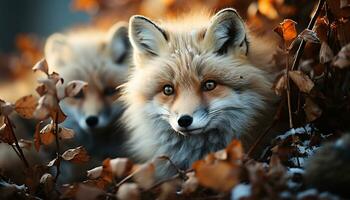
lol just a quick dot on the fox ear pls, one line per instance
(119, 42)
(145, 36)
(226, 30)
(57, 50)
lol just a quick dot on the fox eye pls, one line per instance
(209, 85)
(168, 90)
(80, 95)
(109, 91)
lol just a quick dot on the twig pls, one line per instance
(127, 178)
(288, 91)
(58, 156)
(19, 149)
(303, 42)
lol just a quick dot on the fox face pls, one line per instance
(101, 60)
(194, 87)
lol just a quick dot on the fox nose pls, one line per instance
(92, 121)
(185, 121)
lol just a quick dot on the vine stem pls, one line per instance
(310, 26)
(19, 149)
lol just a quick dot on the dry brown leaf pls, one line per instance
(47, 136)
(76, 155)
(58, 114)
(342, 60)
(41, 66)
(128, 191)
(26, 106)
(41, 90)
(50, 86)
(47, 181)
(145, 175)
(287, 30)
(235, 150)
(322, 26)
(74, 87)
(6, 108)
(309, 36)
(326, 53)
(312, 110)
(65, 133)
(302, 81)
(6, 134)
(281, 85)
(94, 173)
(53, 162)
(219, 176)
(120, 166)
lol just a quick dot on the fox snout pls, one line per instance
(194, 123)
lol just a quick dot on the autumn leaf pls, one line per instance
(120, 166)
(48, 183)
(26, 106)
(58, 115)
(65, 133)
(302, 81)
(6, 134)
(287, 30)
(145, 175)
(309, 36)
(53, 162)
(77, 155)
(95, 172)
(312, 110)
(41, 66)
(235, 150)
(281, 85)
(129, 191)
(46, 134)
(6, 108)
(342, 60)
(74, 87)
(326, 53)
(219, 176)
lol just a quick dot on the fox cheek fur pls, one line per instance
(196, 86)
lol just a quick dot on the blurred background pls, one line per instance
(25, 24)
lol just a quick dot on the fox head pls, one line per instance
(195, 77)
(101, 59)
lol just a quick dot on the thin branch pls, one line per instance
(58, 155)
(310, 26)
(288, 92)
(19, 149)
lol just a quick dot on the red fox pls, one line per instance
(102, 60)
(197, 84)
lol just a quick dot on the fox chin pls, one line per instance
(198, 83)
